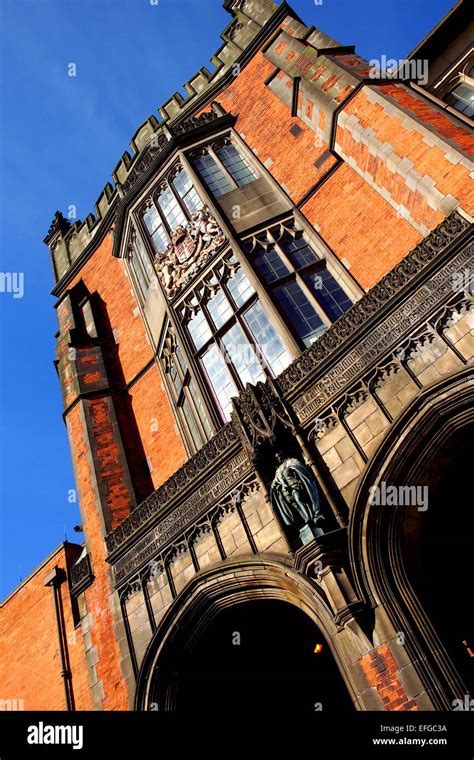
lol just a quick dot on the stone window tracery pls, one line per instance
(305, 291)
(229, 333)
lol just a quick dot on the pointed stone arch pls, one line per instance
(232, 583)
(375, 532)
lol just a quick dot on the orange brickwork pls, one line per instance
(266, 127)
(360, 226)
(30, 664)
(97, 595)
(164, 448)
(381, 670)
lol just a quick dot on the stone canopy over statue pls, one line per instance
(295, 496)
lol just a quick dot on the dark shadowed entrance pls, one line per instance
(274, 667)
(438, 549)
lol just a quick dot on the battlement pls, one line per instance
(67, 242)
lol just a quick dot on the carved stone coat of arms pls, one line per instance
(192, 245)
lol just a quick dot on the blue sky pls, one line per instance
(61, 137)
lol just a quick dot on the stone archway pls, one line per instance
(249, 598)
(400, 553)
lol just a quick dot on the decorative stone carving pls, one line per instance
(258, 408)
(192, 245)
(196, 121)
(80, 575)
(380, 294)
(149, 153)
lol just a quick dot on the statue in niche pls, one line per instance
(294, 494)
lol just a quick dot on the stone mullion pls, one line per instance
(169, 577)
(151, 617)
(404, 365)
(190, 544)
(448, 342)
(221, 166)
(243, 520)
(217, 536)
(371, 390)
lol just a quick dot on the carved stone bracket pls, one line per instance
(326, 562)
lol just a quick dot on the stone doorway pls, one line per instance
(259, 656)
(438, 549)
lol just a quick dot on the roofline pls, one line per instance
(62, 547)
(429, 38)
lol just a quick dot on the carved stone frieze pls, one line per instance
(183, 516)
(386, 335)
(400, 276)
(199, 463)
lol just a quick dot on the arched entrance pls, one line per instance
(260, 655)
(416, 560)
(248, 637)
(437, 548)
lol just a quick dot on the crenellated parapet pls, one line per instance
(241, 35)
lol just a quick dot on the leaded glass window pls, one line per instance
(140, 264)
(304, 290)
(222, 167)
(191, 411)
(231, 336)
(170, 204)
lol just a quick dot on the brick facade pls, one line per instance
(382, 177)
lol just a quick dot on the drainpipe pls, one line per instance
(55, 578)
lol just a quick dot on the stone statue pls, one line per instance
(294, 494)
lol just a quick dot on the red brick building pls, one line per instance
(265, 352)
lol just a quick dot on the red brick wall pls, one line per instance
(106, 274)
(360, 226)
(451, 178)
(266, 122)
(380, 669)
(30, 662)
(156, 426)
(97, 595)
